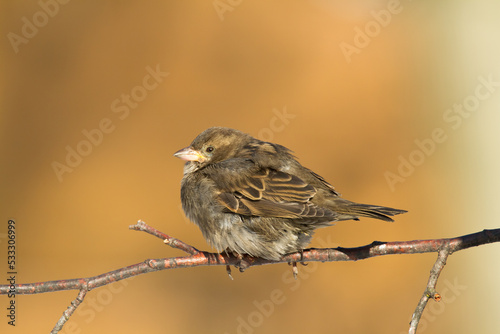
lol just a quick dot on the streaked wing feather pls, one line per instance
(270, 193)
(324, 182)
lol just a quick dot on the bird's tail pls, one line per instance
(350, 210)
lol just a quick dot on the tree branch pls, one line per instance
(195, 258)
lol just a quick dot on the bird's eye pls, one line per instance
(209, 149)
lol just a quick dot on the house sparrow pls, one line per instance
(253, 197)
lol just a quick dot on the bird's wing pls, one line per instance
(323, 182)
(255, 191)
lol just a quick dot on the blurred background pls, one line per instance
(393, 103)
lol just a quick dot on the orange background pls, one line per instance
(349, 121)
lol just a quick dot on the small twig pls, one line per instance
(69, 311)
(430, 290)
(172, 242)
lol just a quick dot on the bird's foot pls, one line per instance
(295, 270)
(302, 258)
(243, 262)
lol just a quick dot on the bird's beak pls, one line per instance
(189, 154)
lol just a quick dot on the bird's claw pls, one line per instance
(242, 264)
(228, 270)
(295, 271)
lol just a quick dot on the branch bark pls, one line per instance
(195, 258)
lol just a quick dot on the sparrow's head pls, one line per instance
(214, 145)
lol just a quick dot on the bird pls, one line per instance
(252, 197)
